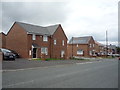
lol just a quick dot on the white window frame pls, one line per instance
(77, 45)
(93, 45)
(45, 38)
(90, 45)
(63, 43)
(62, 53)
(44, 50)
(55, 41)
(90, 53)
(80, 52)
(33, 37)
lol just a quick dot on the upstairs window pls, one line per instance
(93, 45)
(63, 43)
(55, 42)
(33, 37)
(90, 45)
(45, 38)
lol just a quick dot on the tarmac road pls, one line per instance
(103, 74)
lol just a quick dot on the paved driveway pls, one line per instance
(24, 63)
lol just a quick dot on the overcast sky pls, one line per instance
(77, 17)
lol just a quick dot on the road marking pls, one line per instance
(88, 62)
(84, 63)
(13, 70)
(19, 83)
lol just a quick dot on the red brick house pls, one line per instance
(2, 40)
(81, 46)
(99, 48)
(32, 41)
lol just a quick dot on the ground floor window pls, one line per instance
(90, 52)
(62, 53)
(80, 52)
(44, 50)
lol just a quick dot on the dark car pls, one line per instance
(118, 58)
(16, 54)
(7, 54)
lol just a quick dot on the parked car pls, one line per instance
(16, 54)
(118, 58)
(7, 54)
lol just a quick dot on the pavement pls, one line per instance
(99, 74)
(25, 63)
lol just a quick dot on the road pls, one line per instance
(101, 74)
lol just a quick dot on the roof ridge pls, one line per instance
(49, 30)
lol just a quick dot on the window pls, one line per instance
(55, 42)
(80, 52)
(77, 45)
(63, 42)
(44, 50)
(62, 53)
(33, 37)
(90, 52)
(93, 45)
(45, 38)
(30, 52)
(90, 45)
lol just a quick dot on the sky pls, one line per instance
(77, 17)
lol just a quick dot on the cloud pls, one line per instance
(40, 13)
(78, 17)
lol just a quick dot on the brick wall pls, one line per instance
(2, 40)
(59, 35)
(39, 41)
(72, 49)
(17, 40)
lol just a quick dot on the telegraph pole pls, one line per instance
(106, 43)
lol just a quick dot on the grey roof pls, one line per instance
(80, 40)
(49, 30)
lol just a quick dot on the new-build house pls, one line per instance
(2, 40)
(81, 46)
(99, 48)
(32, 41)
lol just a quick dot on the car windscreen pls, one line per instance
(5, 50)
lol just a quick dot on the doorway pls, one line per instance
(34, 53)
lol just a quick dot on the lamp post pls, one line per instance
(106, 43)
(72, 47)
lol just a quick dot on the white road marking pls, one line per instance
(30, 68)
(88, 62)
(19, 83)
(84, 63)
(43, 67)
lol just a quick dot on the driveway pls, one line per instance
(24, 63)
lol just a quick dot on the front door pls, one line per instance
(34, 52)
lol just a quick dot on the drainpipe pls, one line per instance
(50, 45)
